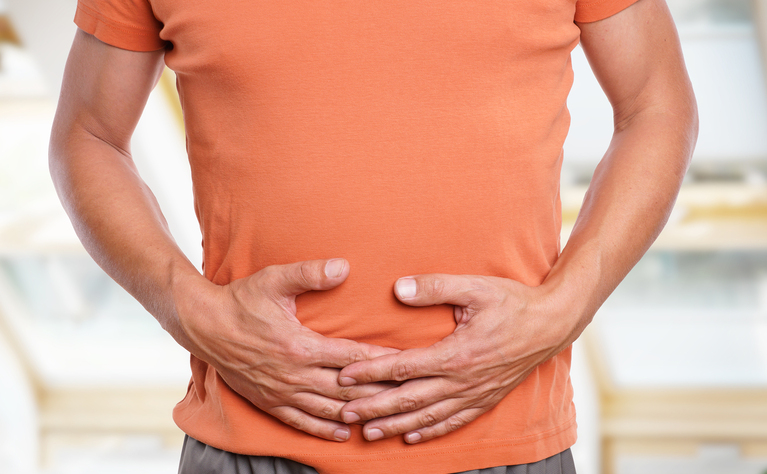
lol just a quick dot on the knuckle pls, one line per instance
(453, 423)
(269, 274)
(293, 381)
(435, 286)
(346, 393)
(296, 422)
(428, 419)
(327, 411)
(402, 371)
(269, 281)
(372, 413)
(297, 352)
(356, 355)
(305, 275)
(266, 272)
(395, 429)
(407, 404)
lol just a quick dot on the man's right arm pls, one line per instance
(247, 330)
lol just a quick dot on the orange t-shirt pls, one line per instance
(408, 136)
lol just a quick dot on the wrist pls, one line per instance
(566, 306)
(195, 302)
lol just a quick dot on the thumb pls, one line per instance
(296, 278)
(434, 289)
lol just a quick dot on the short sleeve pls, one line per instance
(125, 24)
(594, 10)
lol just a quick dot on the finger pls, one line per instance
(444, 427)
(403, 423)
(338, 353)
(435, 288)
(324, 382)
(410, 396)
(405, 365)
(318, 405)
(302, 421)
(296, 278)
(367, 390)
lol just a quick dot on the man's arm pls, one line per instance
(506, 329)
(247, 330)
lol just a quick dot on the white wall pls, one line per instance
(725, 68)
(46, 29)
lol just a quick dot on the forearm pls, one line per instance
(114, 213)
(637, 59)
(119, 221)
(627, 204)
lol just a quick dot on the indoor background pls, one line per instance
(670, 378)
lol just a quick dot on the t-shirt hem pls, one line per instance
(422, 459)
(454, 458)
(452, 448)
(115, 33)
(591, 11)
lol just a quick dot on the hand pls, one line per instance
(253, 339)
(504, 330)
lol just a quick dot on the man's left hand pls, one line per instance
(504, 330)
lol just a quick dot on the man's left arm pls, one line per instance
(504, 328)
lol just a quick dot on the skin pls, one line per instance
(248, 330)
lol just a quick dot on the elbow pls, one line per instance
(61, 146)
(667, 112)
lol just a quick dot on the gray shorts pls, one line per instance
(199, 458)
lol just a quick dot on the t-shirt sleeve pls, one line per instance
(594, 10)
(125, 24)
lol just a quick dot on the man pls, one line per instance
(339, 148)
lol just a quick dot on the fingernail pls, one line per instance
(341, 434)
(406, 287)
(351, 417)
(374, 434)
(346, 381)
(334, 268)
(413, 437)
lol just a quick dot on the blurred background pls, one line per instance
(670, 378)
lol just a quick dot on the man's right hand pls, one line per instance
(247, 330)
(263, 352)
